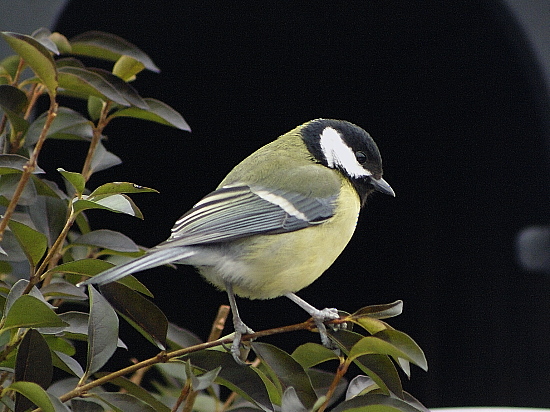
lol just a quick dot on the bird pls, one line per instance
(277, 221)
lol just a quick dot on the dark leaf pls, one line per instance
(67, 364)
(157, 112)
(103, 159)
(36, 56)
(42, 35)
(124, 402)
(102, 332)
(379, 367)
(109, 46)
(289, 372)
(12, 163)
(291, 402)
(14, 102)
(125, 90)
(34, 361)
(91, 267)
(61, 289)
(33, 364)
(373, 402)
(138, 392)
(181, 338)
(141, 312)
(108, 239)
(9, 184)
(68, 124)
(243, 380)
(84, 83)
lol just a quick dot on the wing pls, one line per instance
(236, 211)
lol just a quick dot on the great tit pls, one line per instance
(277, 221)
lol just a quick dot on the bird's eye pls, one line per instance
(361, 157)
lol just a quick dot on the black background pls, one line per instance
(449, 92)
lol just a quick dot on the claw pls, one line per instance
(239, 326)
(319, 317)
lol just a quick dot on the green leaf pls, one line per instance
(157, 112)
(289, 372)
(110, 47)
(102, 332)
(375, 402)
(393, 343)
(91, 267)
(126, 91)
(381, 311)
(102, 159)
(127, 67)
(291, 402)
(123, 402)
(138, 392)
(9, 184)
(143, 314)
(36, 56)
(29, 312)
(181, 338)
(243, 380)
(312, 354)
(42, 35)
(9, 66)
(95, 107)
(120, 187)
(115, 203)
(12, 163)
(34, 393)
(108, 239)
(61, 42)
(68, 125)
(66, 363)
(84, 83)
(76, 180)
(14, 102)
(33, 243)
(33, 364)
(61, 289)
(78, 326)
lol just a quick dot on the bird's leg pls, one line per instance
(239, 326)
(319, 317)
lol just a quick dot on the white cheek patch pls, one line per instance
(339, 154)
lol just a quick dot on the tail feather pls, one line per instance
(150, 260)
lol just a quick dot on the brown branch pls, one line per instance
(29, 167)
(165, 357)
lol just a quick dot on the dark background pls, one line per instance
(450, 93)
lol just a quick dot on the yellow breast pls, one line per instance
(272, 265)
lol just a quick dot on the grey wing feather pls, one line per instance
(238, 211)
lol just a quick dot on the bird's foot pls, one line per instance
(320, 317)
(240, 330)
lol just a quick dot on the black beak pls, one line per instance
(380, 185)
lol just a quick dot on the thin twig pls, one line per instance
(96, 138)
(29, 167)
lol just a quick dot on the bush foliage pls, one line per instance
(47, 245)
